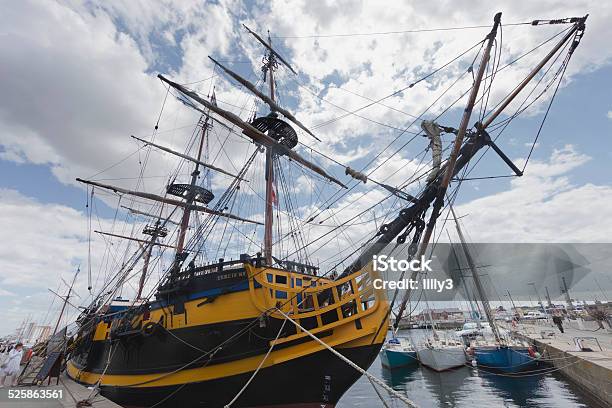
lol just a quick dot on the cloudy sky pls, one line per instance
(80, 77)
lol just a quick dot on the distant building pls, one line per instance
(452, 313)
(36, 334)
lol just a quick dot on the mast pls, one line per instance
(511, 301)
(65, 299)
(465, 285)
(452, 160)
(477, 282)
(191, 195)
(537, 294)
(269, 212)
(550, 304)
(155, 232)
(568, 298)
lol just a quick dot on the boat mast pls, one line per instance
(511, 301)
(65, 299)
(269, 213)
(180, 243)
(477, 282)
(155, 232)
(452, 160)
(479, 139)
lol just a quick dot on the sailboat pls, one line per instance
(398, 352)
(441, 355)
(504, 353)
(262, 330)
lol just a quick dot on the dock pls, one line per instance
(74, 395)
(591, 370)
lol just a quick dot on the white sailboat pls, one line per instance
(441, 355)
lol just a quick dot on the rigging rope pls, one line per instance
(349, 362)
(229, 404)
(421, 30)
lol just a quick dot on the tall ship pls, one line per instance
(269, 328)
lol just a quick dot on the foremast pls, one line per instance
(411, 219)
(268, 68)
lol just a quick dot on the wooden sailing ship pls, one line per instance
(217, 334)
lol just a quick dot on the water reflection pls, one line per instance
(397, 378)
(536, 391)
(466, 388)
(522, 391)
(445, 386)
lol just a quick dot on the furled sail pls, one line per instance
(273, 105)
(186, 157)
(170, 201)
(252, 132)
(433, 131)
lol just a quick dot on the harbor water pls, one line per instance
(466, 387)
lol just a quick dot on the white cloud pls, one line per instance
(93, 67)
(6, 293)
(543, 206)
(609, 115)
(45, 242)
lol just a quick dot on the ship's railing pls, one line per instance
(316, 303)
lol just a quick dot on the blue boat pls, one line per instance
(508, 359)
(398, 352)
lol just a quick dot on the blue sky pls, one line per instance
(76, 95)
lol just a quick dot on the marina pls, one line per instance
(469, 387)
(582, 355)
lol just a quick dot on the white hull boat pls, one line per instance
(440, 357)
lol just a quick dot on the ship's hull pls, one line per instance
(506, 359)
(441, 358)
(200, 350)
(316, 380)
(396, 358)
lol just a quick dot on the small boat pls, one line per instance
(398, 352)
(442, 355)
(507, 355)
(470, 331)
(506, 358)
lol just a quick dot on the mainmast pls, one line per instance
(268, 68)
(192, 193)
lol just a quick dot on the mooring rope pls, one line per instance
(382, 399)
(349, 362)
(244, 387)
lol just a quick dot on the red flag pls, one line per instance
(274, 197)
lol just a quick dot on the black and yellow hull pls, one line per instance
(180, 361)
